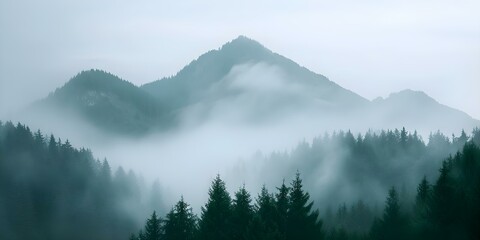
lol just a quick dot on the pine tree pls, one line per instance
(180, 223)
(393, 224)
(442, 207)
(423, 198)
(422, 226)
(282, 204)
(265, 208)
(302, 222)
(263, 225)
(52, 146)
(215, 222)
(242, 213)
(403, 137)
(39, 138)
(152, 228)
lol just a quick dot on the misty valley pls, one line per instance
(241, 143)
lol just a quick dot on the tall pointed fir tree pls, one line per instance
(180, 223)
(302, 221)
(152, 229)
(282, 205)
(422, 210)
(215, 220)
(443, 203)
(263, 225)
(393, 224)
(242, 213)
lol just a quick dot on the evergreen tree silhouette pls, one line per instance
(242, 213)
(152, 228)
(421, 210)
(393, 224)
(302, 222)
(216, 215)
(180, 223)
(282, 205)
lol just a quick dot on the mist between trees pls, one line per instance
(50, 190)
(446, 209)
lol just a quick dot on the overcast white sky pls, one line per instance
(370, 47)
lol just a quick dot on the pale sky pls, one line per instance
(370, 47)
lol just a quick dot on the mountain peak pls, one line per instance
(242, 39)
(411, 94)
(243, 43)
(94, 78)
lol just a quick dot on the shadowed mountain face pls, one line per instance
(242, 82)
(105, 101)
(243, 64)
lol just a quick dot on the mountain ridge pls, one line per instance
(242, 72)
(106, 101)
(212, 66)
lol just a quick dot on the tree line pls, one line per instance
(51, 190)
(287, 214)
(448, 208)
(359, 169)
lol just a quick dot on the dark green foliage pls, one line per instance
(357, 218)
(152, 228)
(302, 221)
(282, 204)
(223, 218)
(446, 210)
(264, 224)
(393, 224)
(383, 159)
(51, 190)
(454, 209)
(421, 211)
(242, 213)
(180, 223)
(215, 222)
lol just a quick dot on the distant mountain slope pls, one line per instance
(241, 82)
(106, 101)
(419, 111)
(194, 82)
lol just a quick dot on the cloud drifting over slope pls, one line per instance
(429, 46)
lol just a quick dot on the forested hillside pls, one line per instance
(446, 208)
(50, 190)
(105, 101)
(344, 168)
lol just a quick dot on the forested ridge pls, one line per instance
(446, 208)
(51, 190)
(349, 168)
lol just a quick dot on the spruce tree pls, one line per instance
(265, 208)
(423, 198)
(282, 204)
(393, 224)
(264, 225)
(442, 207)
(152, 228)
(180, 223)
(215, 221)
(302, 222)
(242, 213)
